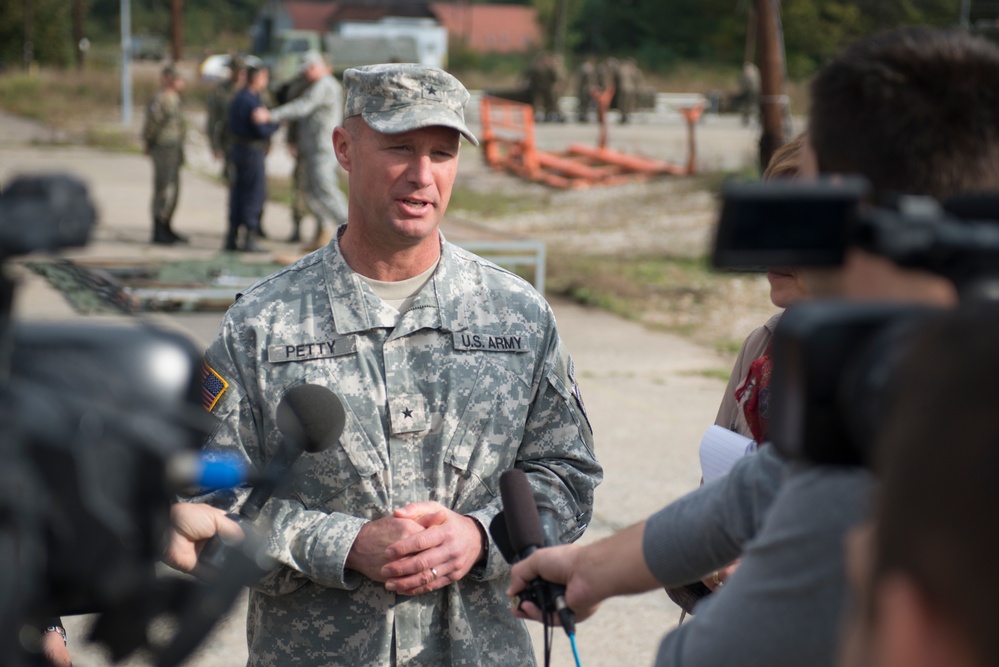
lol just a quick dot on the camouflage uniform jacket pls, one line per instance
(217, 124)
(319, 110)
(474, 380)
(164, 125)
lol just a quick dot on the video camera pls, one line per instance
(834, 362)
(91, 419)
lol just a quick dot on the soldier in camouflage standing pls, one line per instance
(451, 371)
(163, 134)
(217, 125)
(299, 202)
(586, 82)
(747, 99)
(318, 110)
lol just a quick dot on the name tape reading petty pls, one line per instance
(326, 349)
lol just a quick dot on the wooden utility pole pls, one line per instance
(771, 80)
(176, 30)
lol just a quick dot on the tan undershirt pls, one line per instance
(401, 293)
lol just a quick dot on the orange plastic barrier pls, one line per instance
(508, 144)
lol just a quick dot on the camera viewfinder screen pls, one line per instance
(785, 225)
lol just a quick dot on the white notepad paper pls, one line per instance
(720, 449)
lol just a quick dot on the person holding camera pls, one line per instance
(914, 111)
(914, 605)
(451, 371)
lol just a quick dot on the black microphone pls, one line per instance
(526, 535)
(311, 418)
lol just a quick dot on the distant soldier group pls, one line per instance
(546, 79)
(239, 128)
(622, 77)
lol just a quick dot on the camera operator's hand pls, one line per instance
(590, 574)
(54, 650)
(720, 576)
(192, 525)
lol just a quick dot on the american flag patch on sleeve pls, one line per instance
(212, 387)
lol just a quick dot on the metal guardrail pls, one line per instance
(529, 253)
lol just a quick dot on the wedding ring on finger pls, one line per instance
(715, 580)
(433, 571)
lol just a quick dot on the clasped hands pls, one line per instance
(421, 547)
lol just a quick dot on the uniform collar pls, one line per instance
(356, 307)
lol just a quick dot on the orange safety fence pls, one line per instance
(508, 143)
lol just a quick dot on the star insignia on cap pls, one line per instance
(407, 413)
(431, 90)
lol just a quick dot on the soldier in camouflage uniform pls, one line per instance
(217, 125)
(299, 203)
(318, 110)
(451, 371)
(163, 134)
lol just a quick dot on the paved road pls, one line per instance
(647, 393)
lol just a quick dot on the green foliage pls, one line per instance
(203, 19)
(662, 34)
(48, 22)
(208, 24)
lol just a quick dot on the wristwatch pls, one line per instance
(57, 628)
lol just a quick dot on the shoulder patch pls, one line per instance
(212, 387)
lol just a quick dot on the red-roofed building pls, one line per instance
(490, 28)
(482, 28)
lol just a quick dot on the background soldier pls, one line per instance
(217, 126)
(319, 110)
(299, 201)
(629, 83)
(586, 81)
(545, 78)
(747, 100)
(163, 134)
(250, 142)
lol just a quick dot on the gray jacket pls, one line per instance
(783, 604)
(318, 111)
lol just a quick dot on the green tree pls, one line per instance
(663, 32)
(51, 34)
(814, 30)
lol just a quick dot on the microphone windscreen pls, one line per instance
(497, 528)
(522, 521)
(312, 416)
(550, 524)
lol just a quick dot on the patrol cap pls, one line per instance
(310, 58)
(399, 97)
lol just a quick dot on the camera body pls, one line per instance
(90, 418)
(834, 362)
